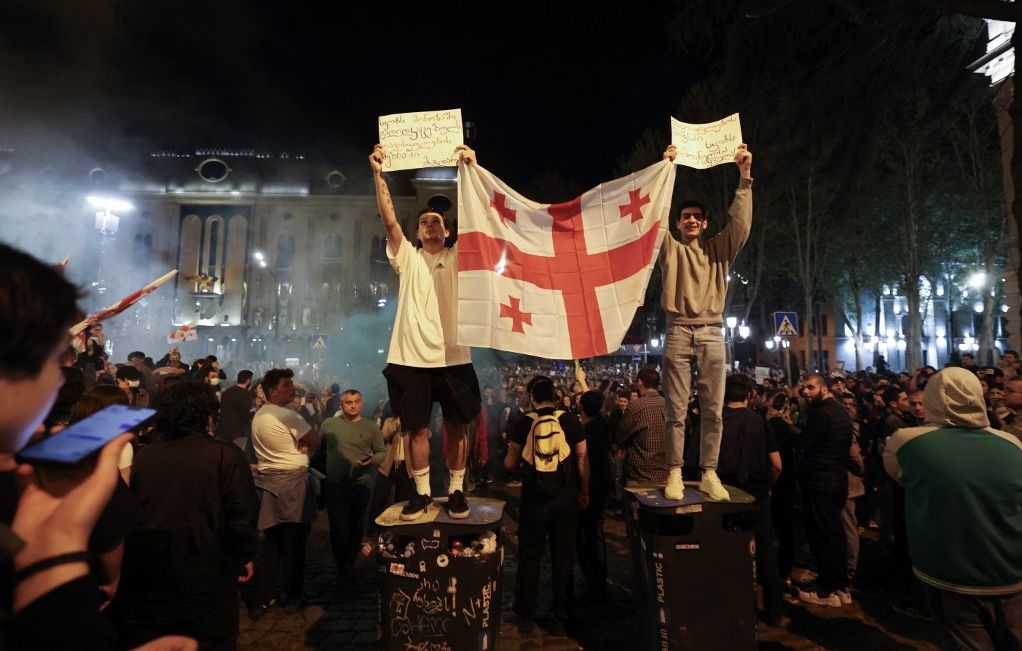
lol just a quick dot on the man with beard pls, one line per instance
(826, 439)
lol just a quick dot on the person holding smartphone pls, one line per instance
(353, 445)
(45, 583)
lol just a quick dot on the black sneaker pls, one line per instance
(416, 507)
(457, 505)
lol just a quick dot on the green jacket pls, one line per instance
(963, 491)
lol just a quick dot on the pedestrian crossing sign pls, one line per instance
(319, 343)
(786, 324)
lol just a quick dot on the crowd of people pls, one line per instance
(152, 542)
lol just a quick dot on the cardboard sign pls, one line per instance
(425, 139)
(706, 145)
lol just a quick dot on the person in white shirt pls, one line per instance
(282, 439)
(425, 364)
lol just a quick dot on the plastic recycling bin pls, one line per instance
(693, 565)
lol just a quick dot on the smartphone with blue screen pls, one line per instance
(81, 439)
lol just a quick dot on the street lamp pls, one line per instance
(107, 223)
(260, 258)
(730, 323)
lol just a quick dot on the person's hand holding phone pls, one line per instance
(55, 516)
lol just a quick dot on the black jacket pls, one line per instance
(826, 440)
(198, 526)
(235, 414)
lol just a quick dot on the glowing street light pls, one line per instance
(107, 223)
(978, 280)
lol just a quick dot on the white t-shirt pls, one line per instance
(276, 432)
(425, 331)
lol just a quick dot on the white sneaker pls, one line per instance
(845, 596)
(710, 484)
(812, 597)
(675, 489)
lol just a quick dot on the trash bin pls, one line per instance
(693, 565)
(440, 579)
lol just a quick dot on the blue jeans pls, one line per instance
(704, 345)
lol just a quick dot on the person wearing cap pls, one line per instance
(425, 364)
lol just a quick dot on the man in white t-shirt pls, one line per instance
(281, 439)
(425, 364)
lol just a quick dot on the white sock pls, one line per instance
(674, 476)
(421, 478)
(457, 480)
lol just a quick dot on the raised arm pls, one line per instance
(736, 232)
(383, 200)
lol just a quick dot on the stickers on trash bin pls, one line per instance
(442, 560)
(689, 508)
(398, 569)
(431, 543)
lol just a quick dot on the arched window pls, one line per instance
(285, 251)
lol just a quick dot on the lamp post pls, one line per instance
(730, 322)
(107, 223)
(260, 259)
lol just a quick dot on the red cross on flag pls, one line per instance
(560, 281)
(187, 332)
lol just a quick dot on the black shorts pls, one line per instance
(413, 391)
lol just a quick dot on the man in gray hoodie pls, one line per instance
(963, 509)
(695, 277)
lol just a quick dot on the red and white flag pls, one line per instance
(186, 332)
(122, 304)
(560, 281)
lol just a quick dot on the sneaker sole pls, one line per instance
(726, 498)
(459, 515)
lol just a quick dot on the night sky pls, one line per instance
(551, 87)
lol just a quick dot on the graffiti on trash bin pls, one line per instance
(479, 607)
(427, 646)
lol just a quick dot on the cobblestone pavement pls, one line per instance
(344, 618)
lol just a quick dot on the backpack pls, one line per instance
(545, 449)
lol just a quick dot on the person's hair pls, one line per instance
(649, 376)
(737, 387)
(244, 376)
(816, 379)
(98, 397)
(541, 389)
(891, 394)
(37, 305)
(273, 378)
(428, 210)
(351, 392)
(335, 388)
(136, 353)
(202, 369)
(690, 203)
(211, 358)
(67, 396)
(129, 373)
(778, 401)
(591, 402)
(183, 409)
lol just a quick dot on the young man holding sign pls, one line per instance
(425, 364)
(695, 275)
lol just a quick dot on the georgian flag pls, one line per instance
(122, 304)
(187, 332)
(560, 281)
